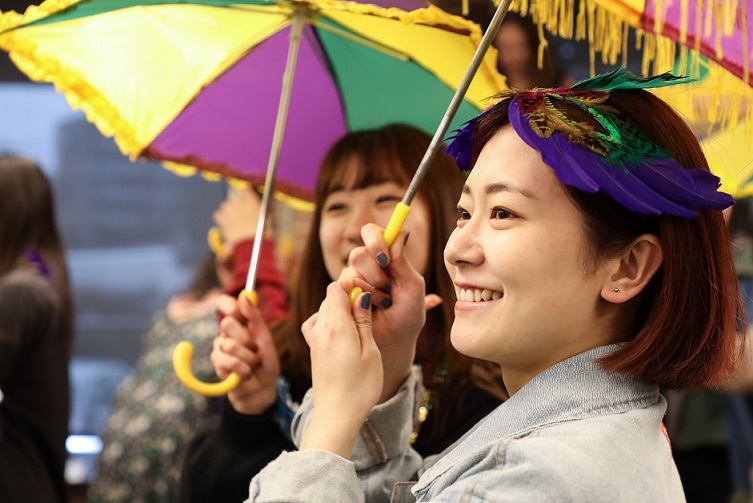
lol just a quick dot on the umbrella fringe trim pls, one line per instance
(12, 19)
(606, 24)
(286, 195)
(78, 93)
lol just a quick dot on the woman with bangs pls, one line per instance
(591, 262)
(361, 179)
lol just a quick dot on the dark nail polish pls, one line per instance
(366, 301)
(385, 289)
(406, 239)
(387, 302)
(382, 259)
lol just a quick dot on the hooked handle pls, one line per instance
(182, 365)
(214, 240)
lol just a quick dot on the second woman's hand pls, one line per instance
(245, 346)
(346, 368)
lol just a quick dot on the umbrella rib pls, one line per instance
(359, 40)
(276, 9)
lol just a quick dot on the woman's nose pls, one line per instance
(463, 247)
(359, 217)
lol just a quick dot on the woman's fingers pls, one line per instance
(230, 356)
(362, 260)
(362, 317)
(227, 306)
(230, 328)
(432, 301)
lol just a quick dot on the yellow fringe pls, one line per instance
(184, 170)
(79, 93)
(12, 19)
(726, 100)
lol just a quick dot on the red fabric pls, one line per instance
(270, 283)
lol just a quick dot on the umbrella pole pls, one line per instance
(403, 207)
(184, 350)
(282, 114)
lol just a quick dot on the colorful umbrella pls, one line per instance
(198, 83)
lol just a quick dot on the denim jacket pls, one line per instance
(573, 433)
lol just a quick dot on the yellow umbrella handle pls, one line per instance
(214, 240)
(390, 233)
(182, 365)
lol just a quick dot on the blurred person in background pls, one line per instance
(154, 415)
(517, 43)
(36, 332)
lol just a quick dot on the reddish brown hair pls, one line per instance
(684, 333)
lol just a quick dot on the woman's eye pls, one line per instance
(387, 199)
(334, 207)
(461, 214)
(499, 214)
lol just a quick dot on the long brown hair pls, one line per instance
(392, 153)
(27, 224)
(684, 334)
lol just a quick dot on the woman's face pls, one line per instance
(527, 297)
(346, 210)
(514, 54)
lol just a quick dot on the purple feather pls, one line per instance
(575, 176)
(656, 187)
(36, 259)
(461, 145)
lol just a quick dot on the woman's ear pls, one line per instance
(631, 271)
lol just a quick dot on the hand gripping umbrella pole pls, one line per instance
(184, 350)
(403, 207)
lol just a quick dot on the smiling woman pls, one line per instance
(591, 262)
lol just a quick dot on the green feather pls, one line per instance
(623, 79)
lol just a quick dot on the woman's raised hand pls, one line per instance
(245, 346)
(346, 371)
(399, 294)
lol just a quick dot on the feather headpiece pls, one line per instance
(590, 148)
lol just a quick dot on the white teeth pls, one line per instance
(477, 295)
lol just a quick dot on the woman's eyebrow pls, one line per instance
(495, 188)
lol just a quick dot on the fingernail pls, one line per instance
(386, 289)
(382, 259)
(366, 301)
(406, 239)
(386, 302)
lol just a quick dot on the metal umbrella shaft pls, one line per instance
(296, 32)
(402, 209)
(184, 350)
